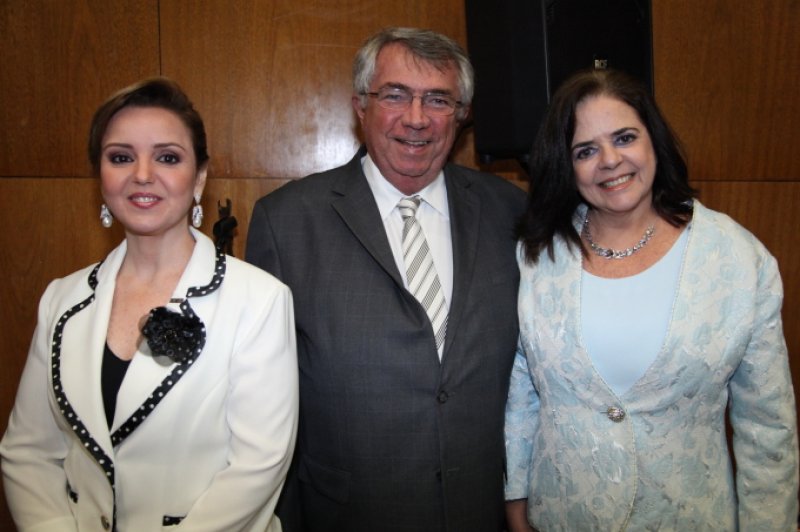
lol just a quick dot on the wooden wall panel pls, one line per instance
(60, 60)
(242, 193)
(278, 102)
(726, 76)
(273, 79)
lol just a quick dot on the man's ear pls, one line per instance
(358, 106)
(462, 113)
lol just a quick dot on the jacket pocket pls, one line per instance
(171, 520)
(330, 482)
(72, 494)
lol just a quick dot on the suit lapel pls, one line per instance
(356, 205)
(144, 374)
(80, 359)
(147, 372)
(465, 210)
(80, 363)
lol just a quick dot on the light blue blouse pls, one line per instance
(624, 321)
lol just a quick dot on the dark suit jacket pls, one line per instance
(390, 438)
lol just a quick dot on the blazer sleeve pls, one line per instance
(33, 448)
(762, 412)
(261, 248)
(262, 412)
(522, 418)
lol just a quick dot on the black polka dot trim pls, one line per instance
(216, 280)
(179, 370)
(75, 423)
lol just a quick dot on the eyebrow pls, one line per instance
(622, 130)
(615, 133)
(408, 89)
(160, 145)
(580, 145)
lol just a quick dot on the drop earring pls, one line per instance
(105, 216)
(197, 213)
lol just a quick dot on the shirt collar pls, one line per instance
(387, 196)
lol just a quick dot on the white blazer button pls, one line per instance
(615, 414)
(104, 522)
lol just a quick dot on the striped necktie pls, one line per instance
(423, 282)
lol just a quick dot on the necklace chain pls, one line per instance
(608, 253)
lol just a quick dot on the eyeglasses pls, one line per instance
(399, 99)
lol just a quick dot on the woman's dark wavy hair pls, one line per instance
(153, 92)
(553, 195)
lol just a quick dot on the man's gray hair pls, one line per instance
(429, 46)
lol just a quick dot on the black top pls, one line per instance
(111, 379)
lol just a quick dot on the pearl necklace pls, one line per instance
(608, 253)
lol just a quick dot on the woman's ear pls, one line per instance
(200, 181)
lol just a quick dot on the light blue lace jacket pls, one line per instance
(665, 464)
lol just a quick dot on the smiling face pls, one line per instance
(409, 147)
(148, 171)
(613, 157)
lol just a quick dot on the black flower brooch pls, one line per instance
(174, 335)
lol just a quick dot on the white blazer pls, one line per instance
(213, 450)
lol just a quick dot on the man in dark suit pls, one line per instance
(403, 372)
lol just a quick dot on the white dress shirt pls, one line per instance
(433, 215)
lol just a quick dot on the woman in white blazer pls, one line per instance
(160, 391)
(643, 316)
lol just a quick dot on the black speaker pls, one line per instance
(522, 50)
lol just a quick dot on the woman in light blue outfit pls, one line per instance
(643, 315)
